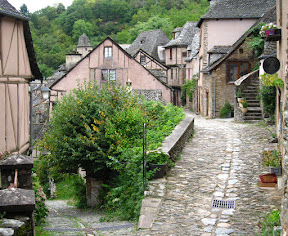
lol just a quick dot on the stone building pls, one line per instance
(176, 53)
(223, 26)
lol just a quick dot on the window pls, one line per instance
(142, 59)
(107, 52)
(184, 54)
(236, 69)
(170, 53)
(108, 75)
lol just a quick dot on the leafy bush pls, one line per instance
(158, 157)
(100, 130)
(267, 94)
(272, 158)
(267, 224)
(40, 212)
(271, 80)
(188, 88)
(72, 186)
(244, 103)
(225, 111)
(239, 93)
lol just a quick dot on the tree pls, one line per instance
(80, 27)
(24, 10)
(155, 22)
(91, 127)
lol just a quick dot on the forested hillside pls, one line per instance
(55, 30)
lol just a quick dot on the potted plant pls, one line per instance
(268, 29)
(226, 110)
(239, 96)
(272, 159)
(244, 107)
(158, 163)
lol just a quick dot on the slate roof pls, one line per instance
(7, 9)
(219, 49)
(193, 47)
(149, 42)
(186, 36)
(84, 41)
(231, 9)
(269, 16)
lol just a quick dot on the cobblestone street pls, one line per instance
(223, 162)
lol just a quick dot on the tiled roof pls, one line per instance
(149, 41)
(7, 9)
(230, 9)
(193, 47)
(84, 41)
(186, 36)
(219, 50)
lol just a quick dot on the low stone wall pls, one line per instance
(19, 226)
(175, 142)
(172, 145)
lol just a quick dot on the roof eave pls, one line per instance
(20, 17)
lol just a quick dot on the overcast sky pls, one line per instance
(35, 5)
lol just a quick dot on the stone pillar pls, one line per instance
(93, 188)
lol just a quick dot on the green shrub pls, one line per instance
(41, 211)
(267, 94)
(226, 110)
(245, 103)
(267, 224)
(272, 158)
(239, 93)
(101, 131)
(72, 186)
(188, 88)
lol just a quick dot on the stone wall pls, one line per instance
(225, 91)
(175, 142)
(17, 197)
(155, 95)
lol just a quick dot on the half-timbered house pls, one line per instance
(17, 68)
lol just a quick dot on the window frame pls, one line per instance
(239, 63)
(142, 59)
(108, 72)
(108, 52)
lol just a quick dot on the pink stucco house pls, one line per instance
(17, 68)
(108, 61)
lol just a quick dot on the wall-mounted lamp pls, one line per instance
(45, 92)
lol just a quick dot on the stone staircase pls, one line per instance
(254, 113)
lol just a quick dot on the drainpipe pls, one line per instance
(214, 105)
(31, 115)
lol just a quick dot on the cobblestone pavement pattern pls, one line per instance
(222, 161)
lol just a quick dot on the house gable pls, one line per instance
(108, 61)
